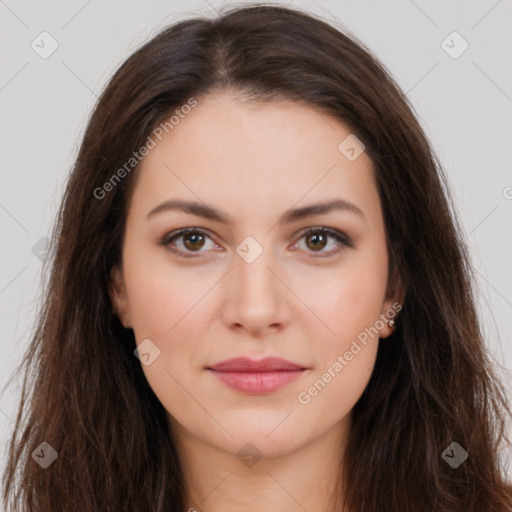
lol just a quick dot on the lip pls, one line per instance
(256, 377)
(245, 364)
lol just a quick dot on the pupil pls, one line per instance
(193, 235)
(317, 237)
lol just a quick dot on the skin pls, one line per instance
(255, 162)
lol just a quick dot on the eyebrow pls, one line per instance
(292, 215)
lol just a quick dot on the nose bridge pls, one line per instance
(257, 292)
(252, 269)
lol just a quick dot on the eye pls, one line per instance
(193, 240)
(317, 239)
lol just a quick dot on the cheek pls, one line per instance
(348, 307)
(167, 305)
(162, 297)
(334, 389)
(345, 352)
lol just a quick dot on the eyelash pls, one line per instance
(342, 239)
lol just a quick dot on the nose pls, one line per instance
(258, 296)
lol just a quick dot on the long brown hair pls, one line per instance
(84, 392)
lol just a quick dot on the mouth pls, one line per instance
(256, 377)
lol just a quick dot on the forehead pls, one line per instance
(228, 129)
(254, 156)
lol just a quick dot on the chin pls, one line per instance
(272, 438)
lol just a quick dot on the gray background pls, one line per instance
(463, 103)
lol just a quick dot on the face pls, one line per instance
(260, 282)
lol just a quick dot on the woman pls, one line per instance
(260, 298)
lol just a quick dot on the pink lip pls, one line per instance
(256, 377)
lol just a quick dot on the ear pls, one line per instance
(118, 296)
(392, 305)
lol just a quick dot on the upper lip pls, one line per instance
(267, 364)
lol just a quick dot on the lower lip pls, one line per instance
(257, 382)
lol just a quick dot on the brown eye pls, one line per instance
(318, 238)
(192, 241)
(316, 241)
